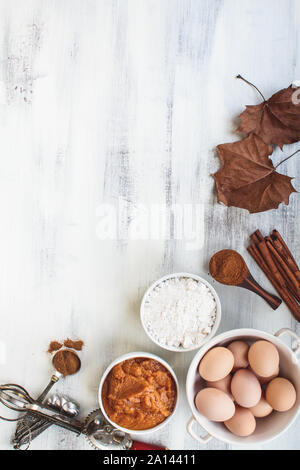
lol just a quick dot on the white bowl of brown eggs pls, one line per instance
(243, 387)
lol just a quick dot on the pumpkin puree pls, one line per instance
(139, 394)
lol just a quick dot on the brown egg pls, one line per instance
(216, 364)
(242, 423)
(263, 358)
(245, 388)
(266, 380)
(281, 394)
(214, 404)
(262, 408)
(223, 384)
(239, 350)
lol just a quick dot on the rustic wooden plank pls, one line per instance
(117, 105)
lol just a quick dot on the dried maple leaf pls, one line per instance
(248, 178)
(276, 121)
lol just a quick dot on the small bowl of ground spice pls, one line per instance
(138, 392)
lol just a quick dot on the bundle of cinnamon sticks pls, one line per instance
(277, 262)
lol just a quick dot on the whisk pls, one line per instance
(17, 398)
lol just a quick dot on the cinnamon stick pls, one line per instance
(275, 271)
(289, 285)
(290, 302)
(290, 275)
(284, 251)
(277, 235)
(284, 294)
(256, 237)
(263, 248)
(253, 250)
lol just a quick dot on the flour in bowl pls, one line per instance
(180, 312)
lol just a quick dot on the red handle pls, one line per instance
(136, 445)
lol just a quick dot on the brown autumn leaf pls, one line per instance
(276, 121)
(248, 178)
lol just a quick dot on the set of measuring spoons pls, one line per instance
(30, 425)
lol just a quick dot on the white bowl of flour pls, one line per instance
(180, 312)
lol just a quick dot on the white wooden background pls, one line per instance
(122, 102)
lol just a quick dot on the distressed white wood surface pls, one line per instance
(122, 102)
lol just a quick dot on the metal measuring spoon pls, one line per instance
(31, 424)
(62, 404)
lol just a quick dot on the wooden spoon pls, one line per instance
(220, 268)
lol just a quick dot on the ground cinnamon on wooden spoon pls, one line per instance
(229, 267)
